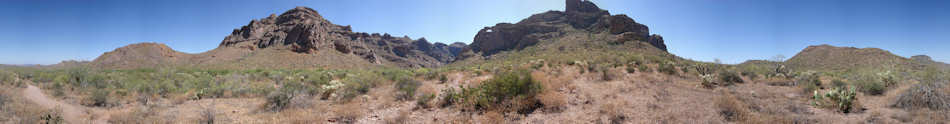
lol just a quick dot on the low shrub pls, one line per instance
(809, 81)
(423, 101)
(644, 68)
(667, 68)
(732, 109)
(443, 78)
(508, 91)
(99, 98)
(507, 86)
(750, 74)
(871, 87)
(406, 88)
(729, 78)
(631, 69)
(280, 99)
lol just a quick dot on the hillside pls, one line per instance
(829, 58)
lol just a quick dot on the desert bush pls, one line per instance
(406, 88)
(728, 77)
(924, 95)
(838, 98)
(99, 98)
(443, 78)
(809, 81)
(667, 68)
(280, 99)
(750, 74)
(871, 87)
(507, 86)
(360, 84)
(423, 101)
(732, 109)
(507, 91)
(838, 83)
(644, 68)
(631, 69)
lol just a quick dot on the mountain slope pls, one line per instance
(826, 57)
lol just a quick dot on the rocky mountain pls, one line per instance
(579, 15)
(303, 30)
(298, 38)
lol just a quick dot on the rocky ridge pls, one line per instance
(303, 30)
(578, 15)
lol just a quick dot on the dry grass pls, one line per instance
(493, 117)
(552, 101)
(16, 109)
(401, 118)
(732, 109)
(614, 111)
(349, 112)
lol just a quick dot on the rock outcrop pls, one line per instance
(579, 14)
(303, 30)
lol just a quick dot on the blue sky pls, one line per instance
(50, 31)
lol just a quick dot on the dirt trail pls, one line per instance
(71, 113)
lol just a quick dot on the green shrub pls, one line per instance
(443, 78)
(871, 87)
(667, 68)
(729, 77)
(279, 100)
(512, 90)
(359, 84)
(838, 98)
(809, 81)
(406, 88)
(750, 74)
(631, 69)
(838, 83)
(424, 99)
(644, 68)
(99, 97)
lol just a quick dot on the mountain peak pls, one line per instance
(299, 14)
(581, 6)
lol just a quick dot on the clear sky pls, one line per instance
(50, 31)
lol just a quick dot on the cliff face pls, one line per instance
(303, 30)
(578, 15)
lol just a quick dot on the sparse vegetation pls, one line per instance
(667, 68)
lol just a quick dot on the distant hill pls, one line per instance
(827, 57)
